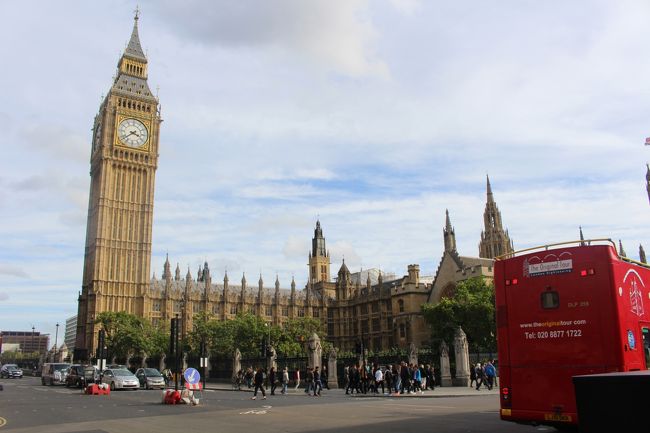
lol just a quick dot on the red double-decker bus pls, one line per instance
(568, 309)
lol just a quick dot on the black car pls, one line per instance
(80, 375)
(11, 371)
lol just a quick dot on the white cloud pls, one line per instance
(335, 34)
(13, 271)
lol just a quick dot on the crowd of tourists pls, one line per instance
(364, 378)
(399, 378)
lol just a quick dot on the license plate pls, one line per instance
(557, 417)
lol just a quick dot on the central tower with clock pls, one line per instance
(123, 165)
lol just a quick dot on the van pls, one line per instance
(53, 373)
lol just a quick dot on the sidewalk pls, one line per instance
(439, 392)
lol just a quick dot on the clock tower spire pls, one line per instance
(123, 164)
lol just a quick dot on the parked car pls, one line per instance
(120, 378)
(11, 371)
(150, 378)
(81, 375)
(54, 373)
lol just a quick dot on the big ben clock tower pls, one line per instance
(123, 165)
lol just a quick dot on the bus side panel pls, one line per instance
(632, 295)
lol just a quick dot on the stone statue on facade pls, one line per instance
(413, 354)
(236, 362)
(445, 370)
(332, 376)
(272, 358)
(461, 351)
(314, 351)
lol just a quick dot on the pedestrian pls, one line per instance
(417, 379)
(490, 374)
(346, 378)
(431, 377)
(323, 378)
(379, 380)
(388, 378)
(296, 377)
(285, 380)
(258, 381)
(472, 376)
(250, 373)
(309, 380)
(397, 378)
(479, 375)
(272, 380)
(318, 385)
(406, 378)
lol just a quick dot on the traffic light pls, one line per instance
(101, 343)
(173, 337)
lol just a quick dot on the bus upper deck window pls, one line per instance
(550, 300)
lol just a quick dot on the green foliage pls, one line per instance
(246, 332)
(471, 308)
(129, 334)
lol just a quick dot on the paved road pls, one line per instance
(29, 407)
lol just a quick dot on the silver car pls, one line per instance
(150, 378)
(120, 378)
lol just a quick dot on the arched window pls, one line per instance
(400, 303)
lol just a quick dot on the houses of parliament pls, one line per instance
(384, 311)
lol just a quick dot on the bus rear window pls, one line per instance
(550, 300)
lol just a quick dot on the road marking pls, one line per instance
(3, 422)
(262, 411)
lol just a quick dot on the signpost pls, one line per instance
(192, 379)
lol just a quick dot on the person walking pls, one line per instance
(272, 380)
(258, 381)
(285, 380)
(309, 381)
(296, 377)
(379, 380)
(388, 378)
(318, 384)
(323, 378)
(472, 376)
(479, 375)
(490, 373)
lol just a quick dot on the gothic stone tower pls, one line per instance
(123, 164)
(494, 240)
(319, 258)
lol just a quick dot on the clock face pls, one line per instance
(132, 133)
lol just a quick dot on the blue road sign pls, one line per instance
(192, 376)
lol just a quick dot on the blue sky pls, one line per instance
(375, 116)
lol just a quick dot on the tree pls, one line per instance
(127, 334)
(472, 308)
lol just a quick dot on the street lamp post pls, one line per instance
(56, 342)
(33, 338)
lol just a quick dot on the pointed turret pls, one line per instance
(582, 238)
(167, 271)
(642, 256)
(621, 251)
(188, 276)
(243, 280)
(449, 234)
(206, 272)
(319, 260)
(495, 241)
(368, 281)
(177, 276)
(293, 289)
(490, 197)
(134, 48)
(277, 283)
(199, 274)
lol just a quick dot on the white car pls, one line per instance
(120, 378)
